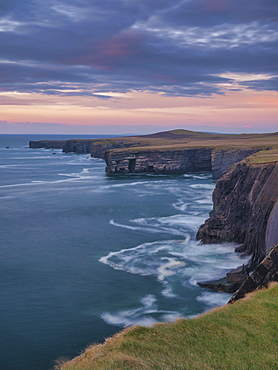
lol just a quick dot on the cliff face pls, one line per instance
(78, 146)
(158, 161)
(222, 160)
(99, 148)
(265, 273)
(47, 144)
(244, 198)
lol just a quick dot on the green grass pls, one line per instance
(264, 156)
(184, 139)
(237, 337)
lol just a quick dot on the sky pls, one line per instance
(138, 66)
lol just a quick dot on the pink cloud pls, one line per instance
(112, 50)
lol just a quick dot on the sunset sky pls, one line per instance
(138, 66)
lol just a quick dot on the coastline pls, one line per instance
(235, 196)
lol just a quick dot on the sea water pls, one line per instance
(83, 255)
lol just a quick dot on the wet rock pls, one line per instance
(220, 285)
(238, 275)
(244, 198)
(265, 273)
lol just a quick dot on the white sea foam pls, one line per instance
(178, 225)
(12, 165)
(203, 186)
(151, 228)
(180, 205)
(143, 315)
(168, 292)
(42, 182)
(85, 173)
(213, 299)
(176, 262)
(201, 176)
(205, 200)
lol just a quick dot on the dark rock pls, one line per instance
(238, 275)
(243, 201)
(222, 160)
(79, 146)
(220, 285)
(158, 161)
(265, 273)
(48, 144)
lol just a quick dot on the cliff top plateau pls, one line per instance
(174, 139)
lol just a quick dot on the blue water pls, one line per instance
(83, 255)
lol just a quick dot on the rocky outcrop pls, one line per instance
(158, 161)
(99, 148)
(217, 161)
(222, 160)
(96, 147)
(265, 273)
(79, 146)
(244, 199)
(48, 144)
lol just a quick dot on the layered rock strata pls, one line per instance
(245, 210)
(136, 159)
(158, 161)
(222, 160)
(265, 273)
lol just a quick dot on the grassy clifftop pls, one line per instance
(238, 336)
(185, 139)
(264, 156)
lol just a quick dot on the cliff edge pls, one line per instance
(246, 208)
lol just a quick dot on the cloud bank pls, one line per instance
(171, 47)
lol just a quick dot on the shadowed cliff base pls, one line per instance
(238, 336)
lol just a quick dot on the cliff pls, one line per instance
(222, 160)
(245, 209)
(47, 144)
(96, 147)
(158, 161)
(265, 273)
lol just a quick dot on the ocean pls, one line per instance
(83, 255)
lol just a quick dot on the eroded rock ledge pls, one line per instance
(265, 273)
